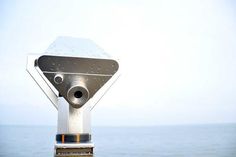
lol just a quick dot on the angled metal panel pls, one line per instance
(82, 47)
(77, 79)
(41, 80)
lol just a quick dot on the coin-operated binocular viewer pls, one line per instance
(74, 74)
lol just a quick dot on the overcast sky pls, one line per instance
(178, 59)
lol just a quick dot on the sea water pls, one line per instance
(214, 140)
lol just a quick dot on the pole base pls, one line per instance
(73, 150)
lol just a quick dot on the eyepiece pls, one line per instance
(77, 95)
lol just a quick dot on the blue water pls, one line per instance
(161, 141)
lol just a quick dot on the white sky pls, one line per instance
(177, 58)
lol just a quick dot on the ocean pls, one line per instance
(213, 140)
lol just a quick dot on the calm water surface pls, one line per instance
(161, 141)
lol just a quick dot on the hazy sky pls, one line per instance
(178, 58)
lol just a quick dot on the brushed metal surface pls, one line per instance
(71, 46)
(41, 80)
(75, 74)
(65, 64)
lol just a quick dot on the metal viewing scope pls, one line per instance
(74, 74)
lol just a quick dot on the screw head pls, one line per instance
(58, 78)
